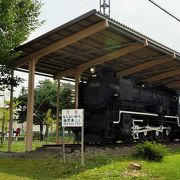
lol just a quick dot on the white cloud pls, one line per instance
(126, 6)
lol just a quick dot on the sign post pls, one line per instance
(64, 156)
(74, 118)
(82, 145)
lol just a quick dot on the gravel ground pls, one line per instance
(89, 151)
(57, 151)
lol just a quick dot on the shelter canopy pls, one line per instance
(95, 40)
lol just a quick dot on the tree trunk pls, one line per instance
(51, 133)
(47, 133)
(2, 133)
(135, 166)
(41, 132)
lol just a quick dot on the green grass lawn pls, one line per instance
(97, 166)
(20, 146)
(169, 168)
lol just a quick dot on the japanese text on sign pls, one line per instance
(72, 117)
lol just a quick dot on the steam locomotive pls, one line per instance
(118, 109)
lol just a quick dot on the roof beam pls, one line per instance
(163, 75)
(174, 84)
(146, 65)
(64, 42)
(118, 53)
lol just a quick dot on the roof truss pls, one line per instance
(174, 84)
(146, 65)
(163, 75)
(64, 42)
(102, 59)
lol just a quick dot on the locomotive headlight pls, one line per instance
(115, 95)
(92, 70)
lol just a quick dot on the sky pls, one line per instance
(140, 15)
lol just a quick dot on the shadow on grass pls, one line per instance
(52, 167)
(49, 168)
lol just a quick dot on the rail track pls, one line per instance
(72, 147)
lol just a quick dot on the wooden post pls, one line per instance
(77, 81)
(30, 105)
(11, 115)
(57, 112)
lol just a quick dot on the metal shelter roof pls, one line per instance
(95, 40)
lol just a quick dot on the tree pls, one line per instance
(18, 18)
(45, 99)
(48, 121)
(66, 99)
(5, 113)
(21, 102)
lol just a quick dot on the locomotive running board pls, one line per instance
(146, 114)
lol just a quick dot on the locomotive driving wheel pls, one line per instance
(166, 135)
(157, 135)
(144, 136)
(128, 140)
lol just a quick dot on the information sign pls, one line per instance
(72, 117)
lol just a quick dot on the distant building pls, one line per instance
(1, 114)
(22, 126)
(6, 95)
(16, 125)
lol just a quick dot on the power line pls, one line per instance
(164, 10)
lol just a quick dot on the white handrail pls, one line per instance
(147, 114)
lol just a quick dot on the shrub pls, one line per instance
(36, 136)
(21, 138)
(151, 151)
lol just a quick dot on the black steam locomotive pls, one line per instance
(119, 109)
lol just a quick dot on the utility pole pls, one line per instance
(105, 7)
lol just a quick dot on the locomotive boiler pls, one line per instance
(118, 109)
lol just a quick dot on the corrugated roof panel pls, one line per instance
(114, 37)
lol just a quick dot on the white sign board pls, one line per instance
(72, 117)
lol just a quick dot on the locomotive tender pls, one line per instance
(119, 109)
